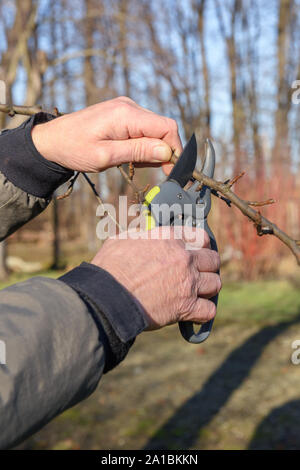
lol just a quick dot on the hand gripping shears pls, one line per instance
(171, 203)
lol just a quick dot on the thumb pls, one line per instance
(140, 150)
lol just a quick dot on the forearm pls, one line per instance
(60, 336)
(27, 180)
(54, 355)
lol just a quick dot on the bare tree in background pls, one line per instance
(16, 36)
(287, 23)
(73, 53)
(229, 35)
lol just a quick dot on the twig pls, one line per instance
(131, 170)
(139, 193)
(260, 203)
(230, 183)
(24, 110)
(263, 225)
(106, 213)
(70, 187)
(11, 110)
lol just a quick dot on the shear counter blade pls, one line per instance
(208, 168)
(183, 170)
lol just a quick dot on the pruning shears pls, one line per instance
(185, 206)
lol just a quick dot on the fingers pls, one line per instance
(152, 125)
(186, 236)
(203, 311)
(208, 285)
(206, 260)
(140, 150)
(167, 168)
(144, 123)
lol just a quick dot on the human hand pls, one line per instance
(170, 282)
(108, 134)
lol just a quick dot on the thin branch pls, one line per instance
(23, 110)
(99, 199)
(231, 182)
(131, 170)
(139, 193)
(11, 110)
(70, 187)
(260, 203)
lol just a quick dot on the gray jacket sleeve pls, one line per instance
(54, 356)
(17, 207)
(27, 180)
(57, 337)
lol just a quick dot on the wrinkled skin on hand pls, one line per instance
(171, 282)
(108, 134)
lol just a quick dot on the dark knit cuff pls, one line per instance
(24, 166)
(114, 309)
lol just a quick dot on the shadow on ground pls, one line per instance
(183, 429)
(280, 429)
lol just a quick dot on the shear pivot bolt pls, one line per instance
(179, 195)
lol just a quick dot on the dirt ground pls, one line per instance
(238, 390)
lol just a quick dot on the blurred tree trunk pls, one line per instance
(230, 40)
(252, 63)
(123, 44)
(205, 71)
(122, 17)
(56, 246)
(281, 152)
(89, 76)
(16, 36)
(92, 96)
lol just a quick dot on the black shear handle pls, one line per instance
(187, 327)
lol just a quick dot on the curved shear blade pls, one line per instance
(183, 170)
(208, 168)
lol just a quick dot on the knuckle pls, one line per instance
(206, 239)
(211, 310)
(139, 151)
(179, 257)
(215, 260)
(216, 285)
(211, 283)
(191, 285)
(103, 155)
(124, 99)
(122, 107)
(188, 285)
(187, 258)
(173, 125)
(208, 284)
